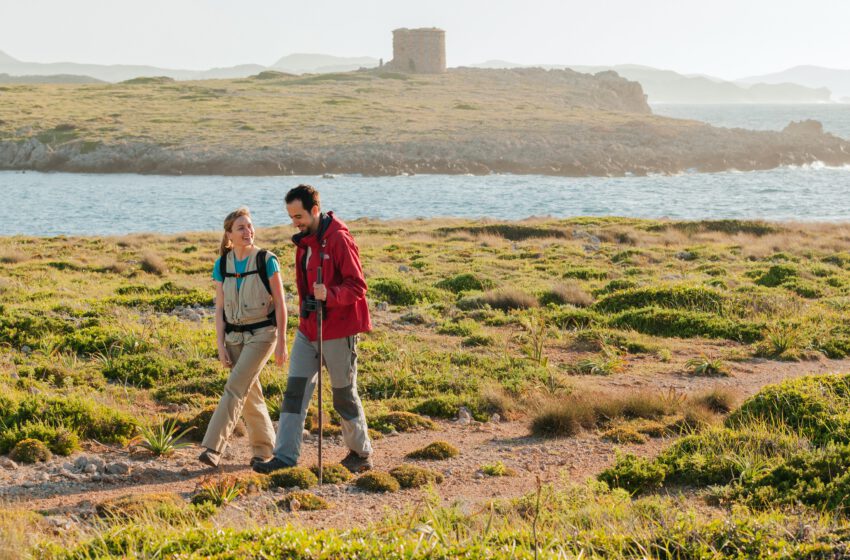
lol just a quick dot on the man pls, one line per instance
(322, 238)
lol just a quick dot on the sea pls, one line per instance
(51, 204)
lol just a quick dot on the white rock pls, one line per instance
(90, 468)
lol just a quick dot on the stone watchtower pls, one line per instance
(419, 51)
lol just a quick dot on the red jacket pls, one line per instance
(346, 311)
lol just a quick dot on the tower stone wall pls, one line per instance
(419, 51)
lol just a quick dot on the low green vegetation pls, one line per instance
(377, 481)
(435, 451)
(111, 340)
(785, 445)
(293, 477)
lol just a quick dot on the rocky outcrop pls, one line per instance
(637, 148)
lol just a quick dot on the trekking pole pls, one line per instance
(319, 309)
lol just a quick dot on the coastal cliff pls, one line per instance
(477, 121)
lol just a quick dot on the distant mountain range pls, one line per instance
(294, 64)
(54, 79)
(813, 76)
(802, 84)
(666, 86)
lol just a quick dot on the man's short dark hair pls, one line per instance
(308, 196)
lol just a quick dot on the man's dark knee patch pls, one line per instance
(345, 402)
(293, 398)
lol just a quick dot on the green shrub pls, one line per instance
(332, 474)
(464, 283)
(477, 340)
(401, 422)
(300, 477)
(623, 434)
(30, 451)
(29, 328)
(685, 324)
(413, 476)
(804, 288)
(615, 286)
(814, 406)
(634, 474)
(777, 275)
(306, 501)
(436, 451)
(377, 481)
(572, 318)
(497, 469)
(399, 292)
(203, 382)
(681, 297)
(585, 273)
(448, 406)
(60, 440)
(819, 478)
(143, 370)
(459, 328)
(167, 302)
(722, 455)
(88, 419)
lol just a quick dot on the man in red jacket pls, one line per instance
(323, 238)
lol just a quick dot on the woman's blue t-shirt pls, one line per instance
(272, 266)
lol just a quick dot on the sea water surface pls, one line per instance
(47, 204)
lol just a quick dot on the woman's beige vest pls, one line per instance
(251, 303)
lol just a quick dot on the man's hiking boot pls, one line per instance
(210, 457)
(273, 464)
(254, 460)
(355, 463)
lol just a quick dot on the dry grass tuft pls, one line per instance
(508, 299)
(153, 264)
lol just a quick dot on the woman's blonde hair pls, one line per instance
(228, 227)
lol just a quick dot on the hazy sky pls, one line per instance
(724, 38)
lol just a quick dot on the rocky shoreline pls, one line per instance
(634, 149)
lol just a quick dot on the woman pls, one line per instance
(250, 323)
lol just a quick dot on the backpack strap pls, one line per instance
(262, 269)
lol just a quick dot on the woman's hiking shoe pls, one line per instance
(355, 463)
(210, 457)
(254, 460)
(273, 464)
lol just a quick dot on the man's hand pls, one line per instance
(320, 292)
(280, 354)
(224, 357)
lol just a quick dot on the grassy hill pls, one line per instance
(468, 120)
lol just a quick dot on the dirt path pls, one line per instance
(52, 489)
